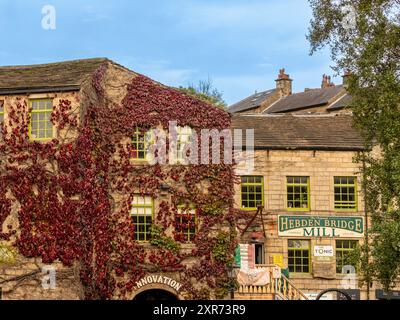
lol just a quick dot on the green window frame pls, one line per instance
(142, 213)
(186, 223)
(252, 192)
(299, 256)
(343, 249)
(40, 127)
(298, 193)
(345, 193)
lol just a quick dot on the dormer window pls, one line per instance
(41, 128)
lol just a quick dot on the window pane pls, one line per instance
(345, 193)
(41, 127)
(300, 250)
(142, 212)
(343, 251)
(297, 192)
(251, 192)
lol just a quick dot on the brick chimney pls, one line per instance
(326, 82)
(284, 84)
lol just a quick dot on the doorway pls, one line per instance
(156, 295)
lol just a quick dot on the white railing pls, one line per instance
(280, 288)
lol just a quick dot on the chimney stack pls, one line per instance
(345, 78)
(326, 82)
(284, 84)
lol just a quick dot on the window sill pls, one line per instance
(250, 209)
(139, 162)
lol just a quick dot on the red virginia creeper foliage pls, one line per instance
(73, 198)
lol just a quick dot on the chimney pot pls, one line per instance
(326, 82)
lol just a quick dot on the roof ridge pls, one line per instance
(99, 59)
(314, 89)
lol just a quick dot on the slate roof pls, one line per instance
(50, 77)
(254, 101)
(307, 99)
(304, 132)
(340, 103)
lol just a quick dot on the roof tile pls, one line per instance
(301, 131)
(68, 74)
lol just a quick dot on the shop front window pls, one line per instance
(343, 250)
(299, 258)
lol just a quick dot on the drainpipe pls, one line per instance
(366, 228)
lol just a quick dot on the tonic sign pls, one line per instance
(323, 251)
(324, 227)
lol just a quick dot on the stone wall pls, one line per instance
(321, 167)
(30, 279)
(21, 278)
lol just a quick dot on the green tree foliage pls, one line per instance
(364, 41)
(206, 92)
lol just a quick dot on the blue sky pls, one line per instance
(239, 44)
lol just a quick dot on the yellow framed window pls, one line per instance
(343, 250)
(185, 227)
(41, 128)
(298, 193)
(140, 141)
(299, 256)
(182, 140)
(142, 213)
(345, 189)
(252, 192)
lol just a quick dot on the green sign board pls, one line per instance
(325, 227)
